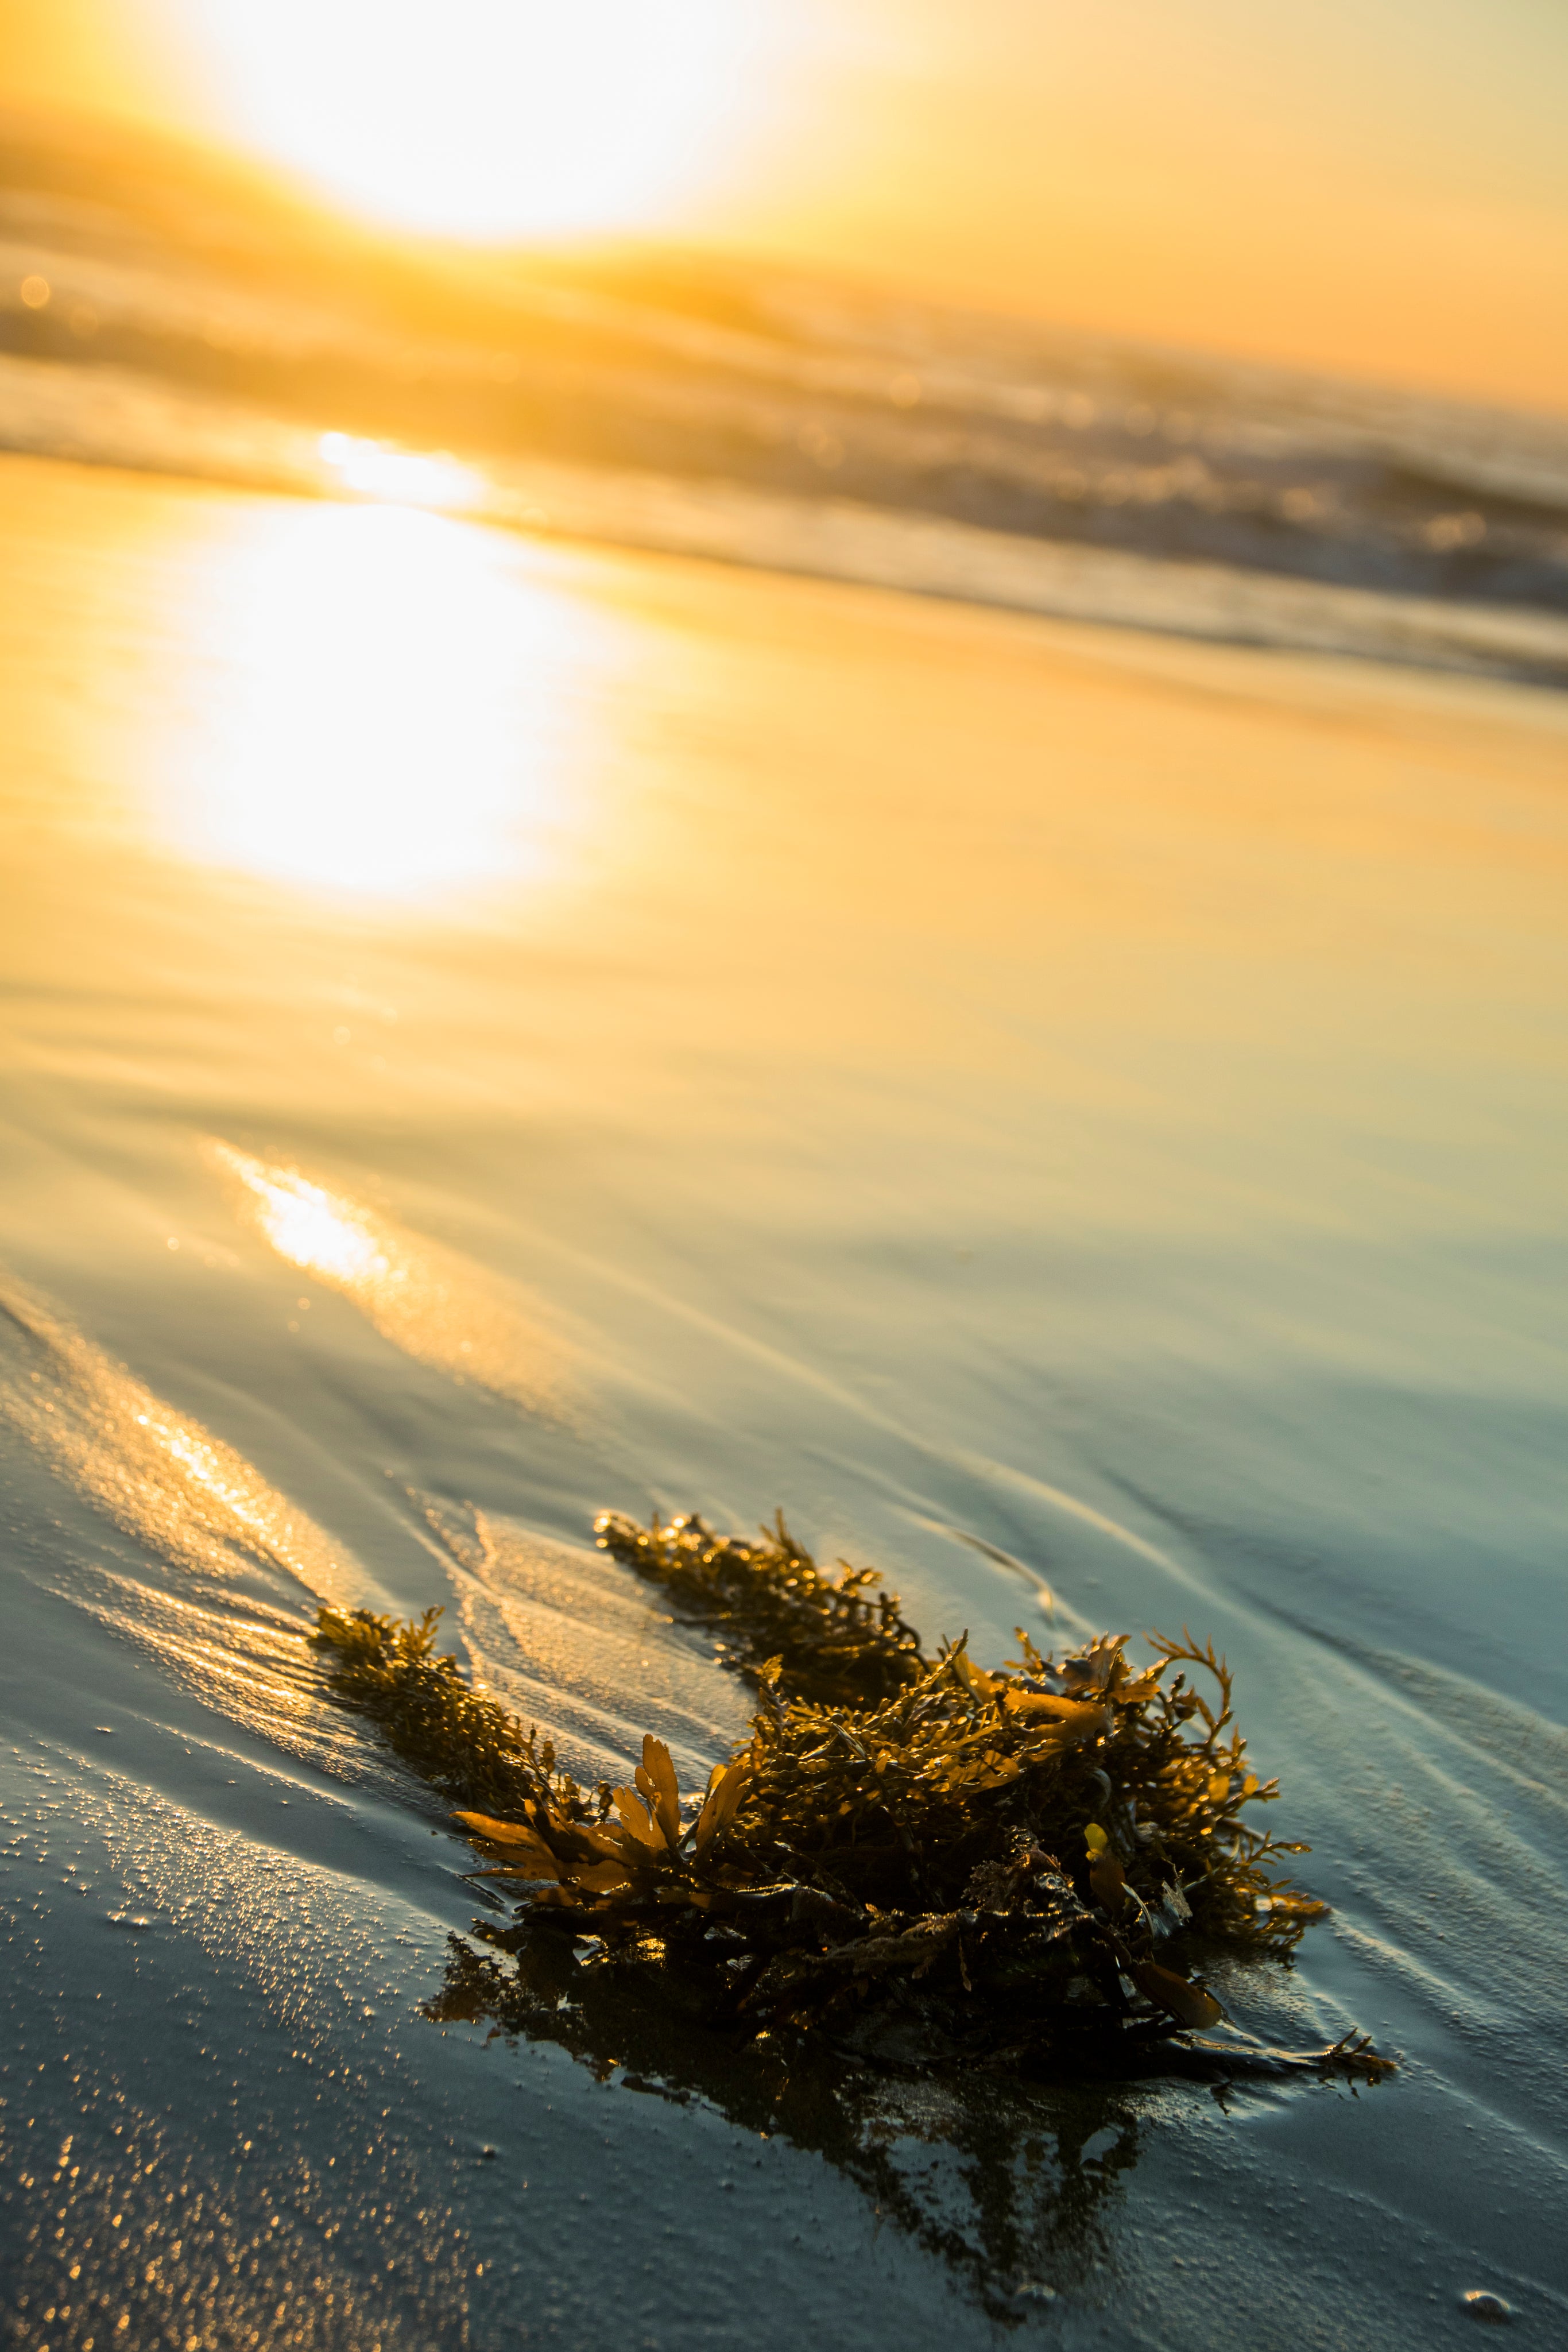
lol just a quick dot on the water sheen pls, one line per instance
(497, 1032)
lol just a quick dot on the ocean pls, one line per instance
(166, 310)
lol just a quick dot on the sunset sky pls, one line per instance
(1371, 185)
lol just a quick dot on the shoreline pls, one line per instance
(119, 419)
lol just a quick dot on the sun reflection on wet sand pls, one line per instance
(154, 1472)
(378, 701)
(227, 1570)
(401, 478)
(432, 1302)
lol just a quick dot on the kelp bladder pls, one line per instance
(927, 1864)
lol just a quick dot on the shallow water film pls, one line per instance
(497, 1033)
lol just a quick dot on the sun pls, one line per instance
(494, 119)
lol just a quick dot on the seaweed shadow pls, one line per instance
(1008, 2183)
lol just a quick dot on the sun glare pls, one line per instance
(494, 118)
(400, 478)
(442, 1308)
(381, 701)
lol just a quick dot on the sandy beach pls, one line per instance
(496, 1030)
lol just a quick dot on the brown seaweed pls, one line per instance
(835, 1637)
(919, 1861)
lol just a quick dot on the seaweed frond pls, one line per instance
(464, 1744)
(834, 1638)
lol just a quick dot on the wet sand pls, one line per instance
(495, 1031)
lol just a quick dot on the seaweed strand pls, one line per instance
(834, 1637)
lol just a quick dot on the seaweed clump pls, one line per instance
(926, 1861)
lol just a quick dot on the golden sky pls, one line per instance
(1371, 185)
